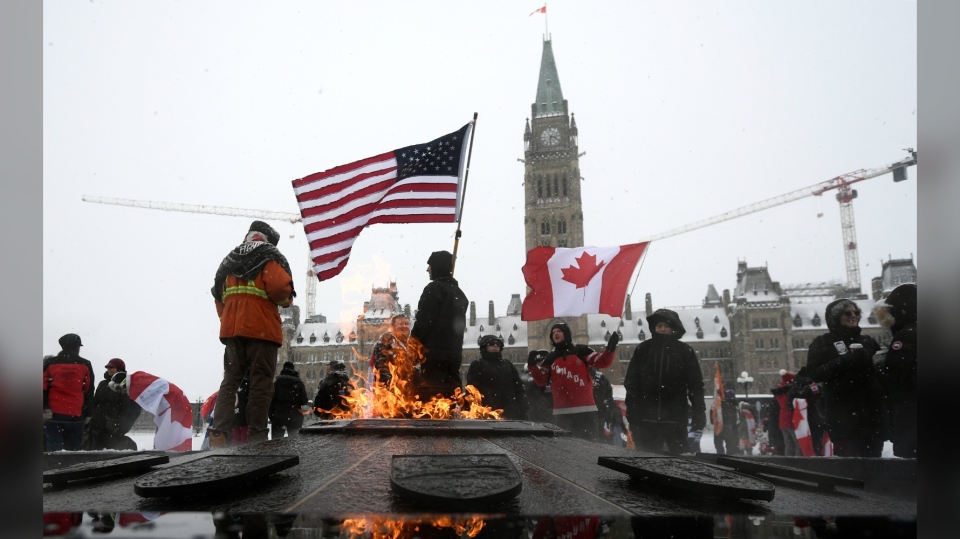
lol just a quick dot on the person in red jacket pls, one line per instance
(67, 396)
(252, 282)
(791, 448)
(567, 370)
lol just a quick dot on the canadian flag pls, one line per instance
(827, 445)
(538, 10)
(171, 410)
(802, 427)
(571, 282)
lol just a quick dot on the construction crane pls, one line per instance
(845, 196)
(265, 215)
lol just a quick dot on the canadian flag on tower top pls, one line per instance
(571, 282)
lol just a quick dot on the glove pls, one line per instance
(612, 343)
(699, 422)
(47, 414)
(535, 357)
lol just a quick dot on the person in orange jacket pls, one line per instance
(253, 280)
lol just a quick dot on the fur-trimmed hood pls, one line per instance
(899, 308)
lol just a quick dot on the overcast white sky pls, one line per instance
(685, 111)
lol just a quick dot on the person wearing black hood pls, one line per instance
(850, 397)
(289, 398)
(664, 387)
(567, 370)
(440, 321)
(897, 369)
(498, 380)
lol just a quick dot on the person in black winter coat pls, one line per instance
(331, 390)
(897, 369)
(440, 321)
(498, 380)
(851, 399)
(113, 414)
(289, 396)
(664, 387)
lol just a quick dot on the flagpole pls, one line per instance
(639, 266)
(463, 195)
(546, 27)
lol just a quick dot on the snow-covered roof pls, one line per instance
(714, 326)
(807, 312)
(323, 334)
(509, 326)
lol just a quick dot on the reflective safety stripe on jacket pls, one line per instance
(248, 307)
(250, 288)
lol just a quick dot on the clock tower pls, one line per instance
(553, 215)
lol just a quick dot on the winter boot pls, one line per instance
(218, 439)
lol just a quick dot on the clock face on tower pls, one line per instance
(550, 136)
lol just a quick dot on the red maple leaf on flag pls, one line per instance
(584, 274)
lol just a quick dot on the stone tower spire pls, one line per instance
(553, 215)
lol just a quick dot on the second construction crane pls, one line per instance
(845, 196)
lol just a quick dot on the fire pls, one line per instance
(400, 398)
(401, 529)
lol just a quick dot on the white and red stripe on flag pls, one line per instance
(415, 184)
(538, 10)
(171, 410)
(802, 427)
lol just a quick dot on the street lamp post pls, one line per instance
(746, 380)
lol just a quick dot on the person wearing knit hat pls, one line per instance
(253, 280)
(289, 399)
(851, 398)
(113, 414)
(897, 369)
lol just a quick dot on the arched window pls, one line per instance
(564, 185)
(539, 188)
(545, 228)
(561, 226)
(556, 186)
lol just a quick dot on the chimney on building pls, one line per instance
(627, 314)
(726, 297)
(491, 319)
(649, 304)
(473, 314)
(876, 288)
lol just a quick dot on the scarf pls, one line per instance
(245, 261)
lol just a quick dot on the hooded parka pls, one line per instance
(499, 382)
(440, 322)
(663, 381)
(850, 398)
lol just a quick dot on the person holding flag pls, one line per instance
(566, 369)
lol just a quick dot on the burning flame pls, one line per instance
(401, 529)
(400, 398)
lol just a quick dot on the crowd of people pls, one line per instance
(851, 395)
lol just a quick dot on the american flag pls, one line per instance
(415, 184)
